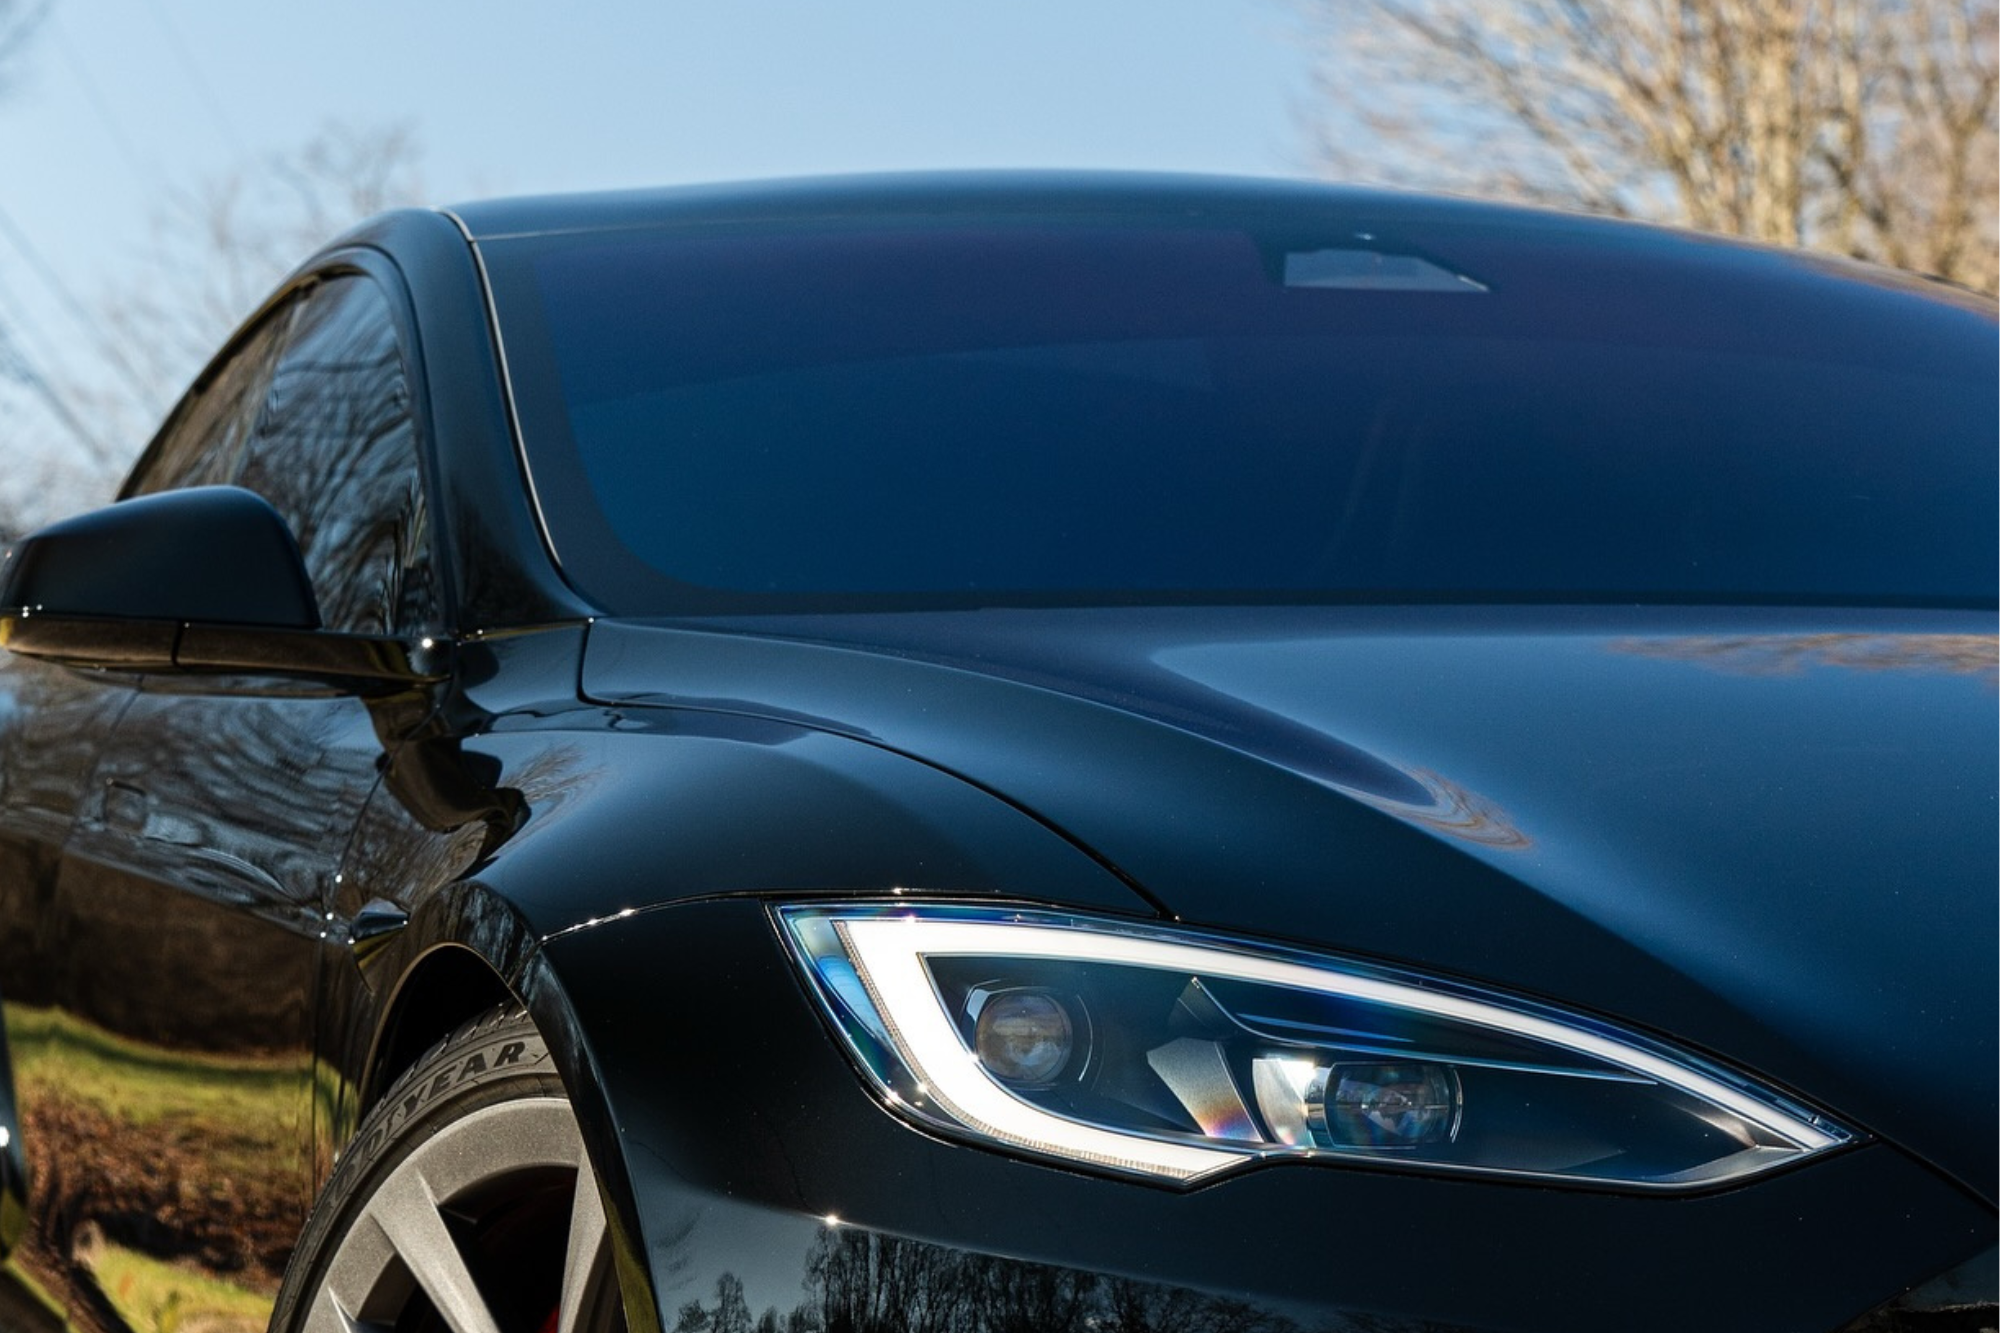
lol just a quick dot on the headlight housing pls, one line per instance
(1174, 1055)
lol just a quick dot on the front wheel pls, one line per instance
(466, 1203)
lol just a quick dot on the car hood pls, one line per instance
(1768, 835)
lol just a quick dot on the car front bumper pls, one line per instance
(759, 1170)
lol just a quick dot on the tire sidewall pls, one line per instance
(497, 1058)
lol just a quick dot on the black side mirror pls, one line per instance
(206, 579)
(216, 554)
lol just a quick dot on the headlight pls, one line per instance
(1174, 1055)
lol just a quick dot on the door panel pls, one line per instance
(190, 902)
(53, 723)
(163, 904)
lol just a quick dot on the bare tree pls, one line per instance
(216, 250)
(1865, 127)
(19, 22)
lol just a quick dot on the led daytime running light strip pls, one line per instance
(888, 955)
(892, 970)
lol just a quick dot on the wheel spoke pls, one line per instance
(326, 1316)
(587, 1250)
(409, 1217)
(498, 1163)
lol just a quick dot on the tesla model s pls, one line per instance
(1018, 752)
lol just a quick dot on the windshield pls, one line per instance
(953, 412)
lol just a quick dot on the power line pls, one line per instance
(203, 89)
(24, 322)
(15, 365)
(95, 96)
(21, 367)
(89, 326)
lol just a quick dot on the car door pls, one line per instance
(204, 848)
(54, 725)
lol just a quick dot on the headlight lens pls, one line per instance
(1176, 1054)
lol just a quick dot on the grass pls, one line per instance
(141, 1084)
(155, 1297)
(204, 1154)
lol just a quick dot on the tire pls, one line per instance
(465, 1203)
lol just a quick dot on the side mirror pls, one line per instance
(215, 554)
(207, 579)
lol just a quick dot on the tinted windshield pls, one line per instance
(1103, 410)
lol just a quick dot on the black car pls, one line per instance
(1019, 752)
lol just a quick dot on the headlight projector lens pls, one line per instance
(1023, 1037)
(1389, 1106)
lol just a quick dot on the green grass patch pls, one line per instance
(141, 1084)
(204, 1158)
(154, 1297)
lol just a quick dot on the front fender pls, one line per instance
(626, 808)
(586, 815)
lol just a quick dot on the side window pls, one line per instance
(335, 450)
(203, 441)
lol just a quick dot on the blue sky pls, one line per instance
(118, 102)
(644, 93)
